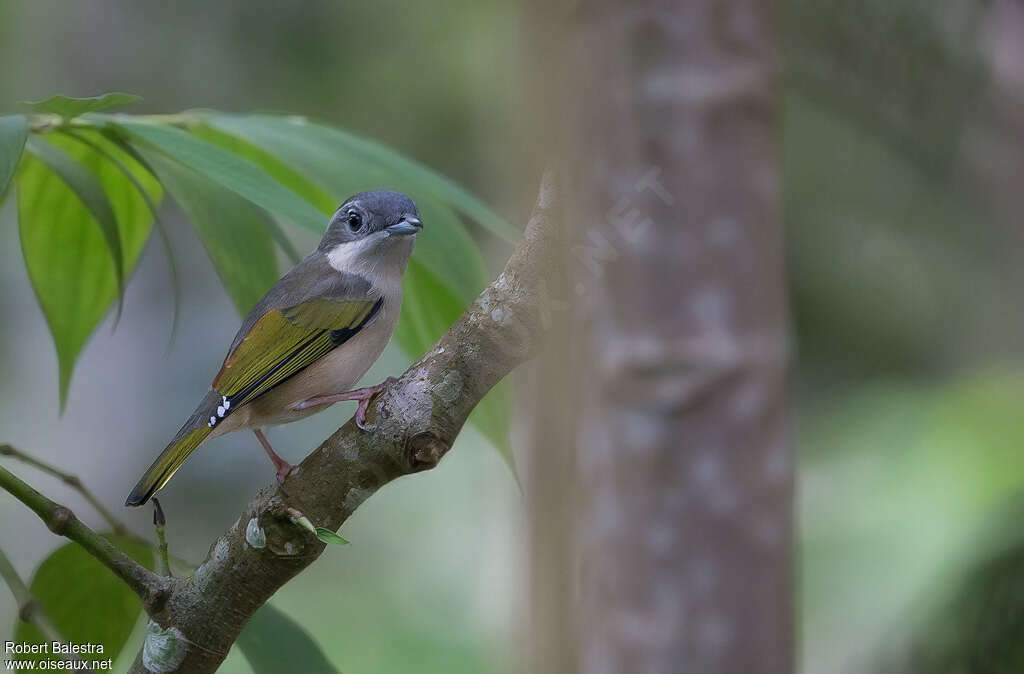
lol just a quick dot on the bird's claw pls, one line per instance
(282, 472)
(363, 395)
(364, 401)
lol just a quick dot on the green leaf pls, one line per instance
(491, 416)
(85, 601)
(429, 309)
(328, 160)
(276, 133)
(323, 533)
(282, 240)
(229, 170)
(448, 251)
(67, 258)
(272, 643)
(234, 231)
(275, 168)
(13, 131)
(69, 108)
(87, 138)
(89, 190)
(330, 537)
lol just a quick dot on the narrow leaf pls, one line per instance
(89, 190)
(13, 131)
(330, 537)
(271, 132)
(272, 643)
(87, 603)
(67, 258)
(234, 232)
(282, 240)
(280, 172)
(491, 416)
(229, 170)
(69, 108)
(275, 167)
(323, 157)
(444, 187)
(94, 143)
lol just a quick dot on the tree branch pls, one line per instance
(414, 423)
(152, 589)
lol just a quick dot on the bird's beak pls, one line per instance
(407, 226)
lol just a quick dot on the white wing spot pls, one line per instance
(221, 411)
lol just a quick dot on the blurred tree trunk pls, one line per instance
(659, 472)
(994, 147)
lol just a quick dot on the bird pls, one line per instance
(311, 338)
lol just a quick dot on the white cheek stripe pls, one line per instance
(353, 255)
(377, 260)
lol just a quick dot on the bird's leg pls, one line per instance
(282, 466)
(363, 395)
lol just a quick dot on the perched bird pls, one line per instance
(310, 338)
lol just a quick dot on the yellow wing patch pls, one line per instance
(283, 342)
(329, 314)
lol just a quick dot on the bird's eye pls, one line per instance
(355, 221)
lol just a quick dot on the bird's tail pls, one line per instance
(191, 435)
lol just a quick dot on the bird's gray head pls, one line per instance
(374, 230)
(381, 214)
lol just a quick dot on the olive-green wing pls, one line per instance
(284, 341)
(279, 344)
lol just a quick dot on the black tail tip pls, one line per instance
(137, 498)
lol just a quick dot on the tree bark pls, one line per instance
(672, 371)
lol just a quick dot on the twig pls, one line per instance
(72, 481)
(29, 608)
(151, 588)
(160, 522)
(116, 525)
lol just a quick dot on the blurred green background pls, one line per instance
(904, 259)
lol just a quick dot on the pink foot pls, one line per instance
(282, 466)
(363, 395)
